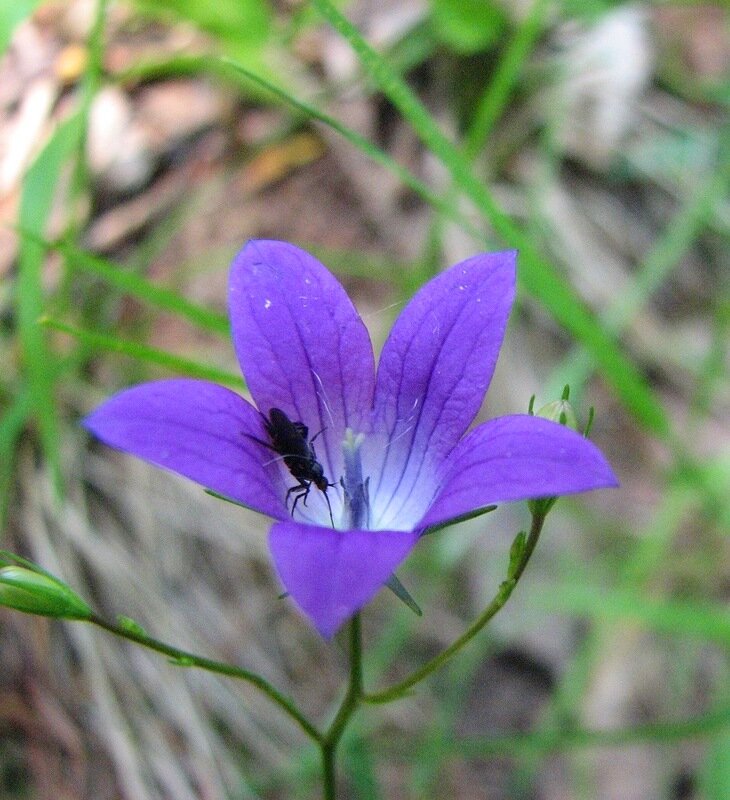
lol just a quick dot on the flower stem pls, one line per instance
(183, 658)
(350, 703)
(503, 594)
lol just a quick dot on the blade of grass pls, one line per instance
(14, 419)
(242, 29)
(708, 724)
(537, 277)
(361, 143)
(667, 252)
(360, 765)
(11, 15)
(715, 773)
(489, 108)
(135, 286)
(90, 85)
(35, 207)
(38, 192)
(493, 101)
(150, 355)
(675, 617)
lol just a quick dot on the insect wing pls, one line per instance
(301, 429)
(288, 438)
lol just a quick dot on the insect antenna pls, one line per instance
(273, 460)
(322, 394)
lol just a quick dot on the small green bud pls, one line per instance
(130, 625)
(515, 553)
(181, 661)
(37, 593)
(560, 411)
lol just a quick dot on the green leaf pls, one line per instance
(665, 256)
(361, 768)
(243, 27)
(563, 739)
(12, 559)
(182, 661)
(504, 78)
(242, 20)
(225, 499)
(12, 13)
(468, 26)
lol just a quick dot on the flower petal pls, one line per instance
(332, 574)
(517, 458)
(435, 369)
(301, 344)
(197, 429)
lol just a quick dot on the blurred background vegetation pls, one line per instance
(141, 144)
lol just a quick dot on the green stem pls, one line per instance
(503, 594)
(89, 87)
(186, 659)
(350, 703)
(491, 104)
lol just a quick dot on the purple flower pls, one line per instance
(392, 443)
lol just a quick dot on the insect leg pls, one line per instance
(305, 486)
(329, 507)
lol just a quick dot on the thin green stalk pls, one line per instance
(362, 144)
(561, 739)
(681, 618)
(138, 287)
(35, 208)
(79, 184)
(184, 659)
(665, 256)
(495, 97)
(489, 108)
(350, 703)
(12, 421)
(90, 86)
(152, 355)
(504, 592)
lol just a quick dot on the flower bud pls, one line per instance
(38, 593)
(559, 411)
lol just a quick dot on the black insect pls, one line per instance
(290, 440)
